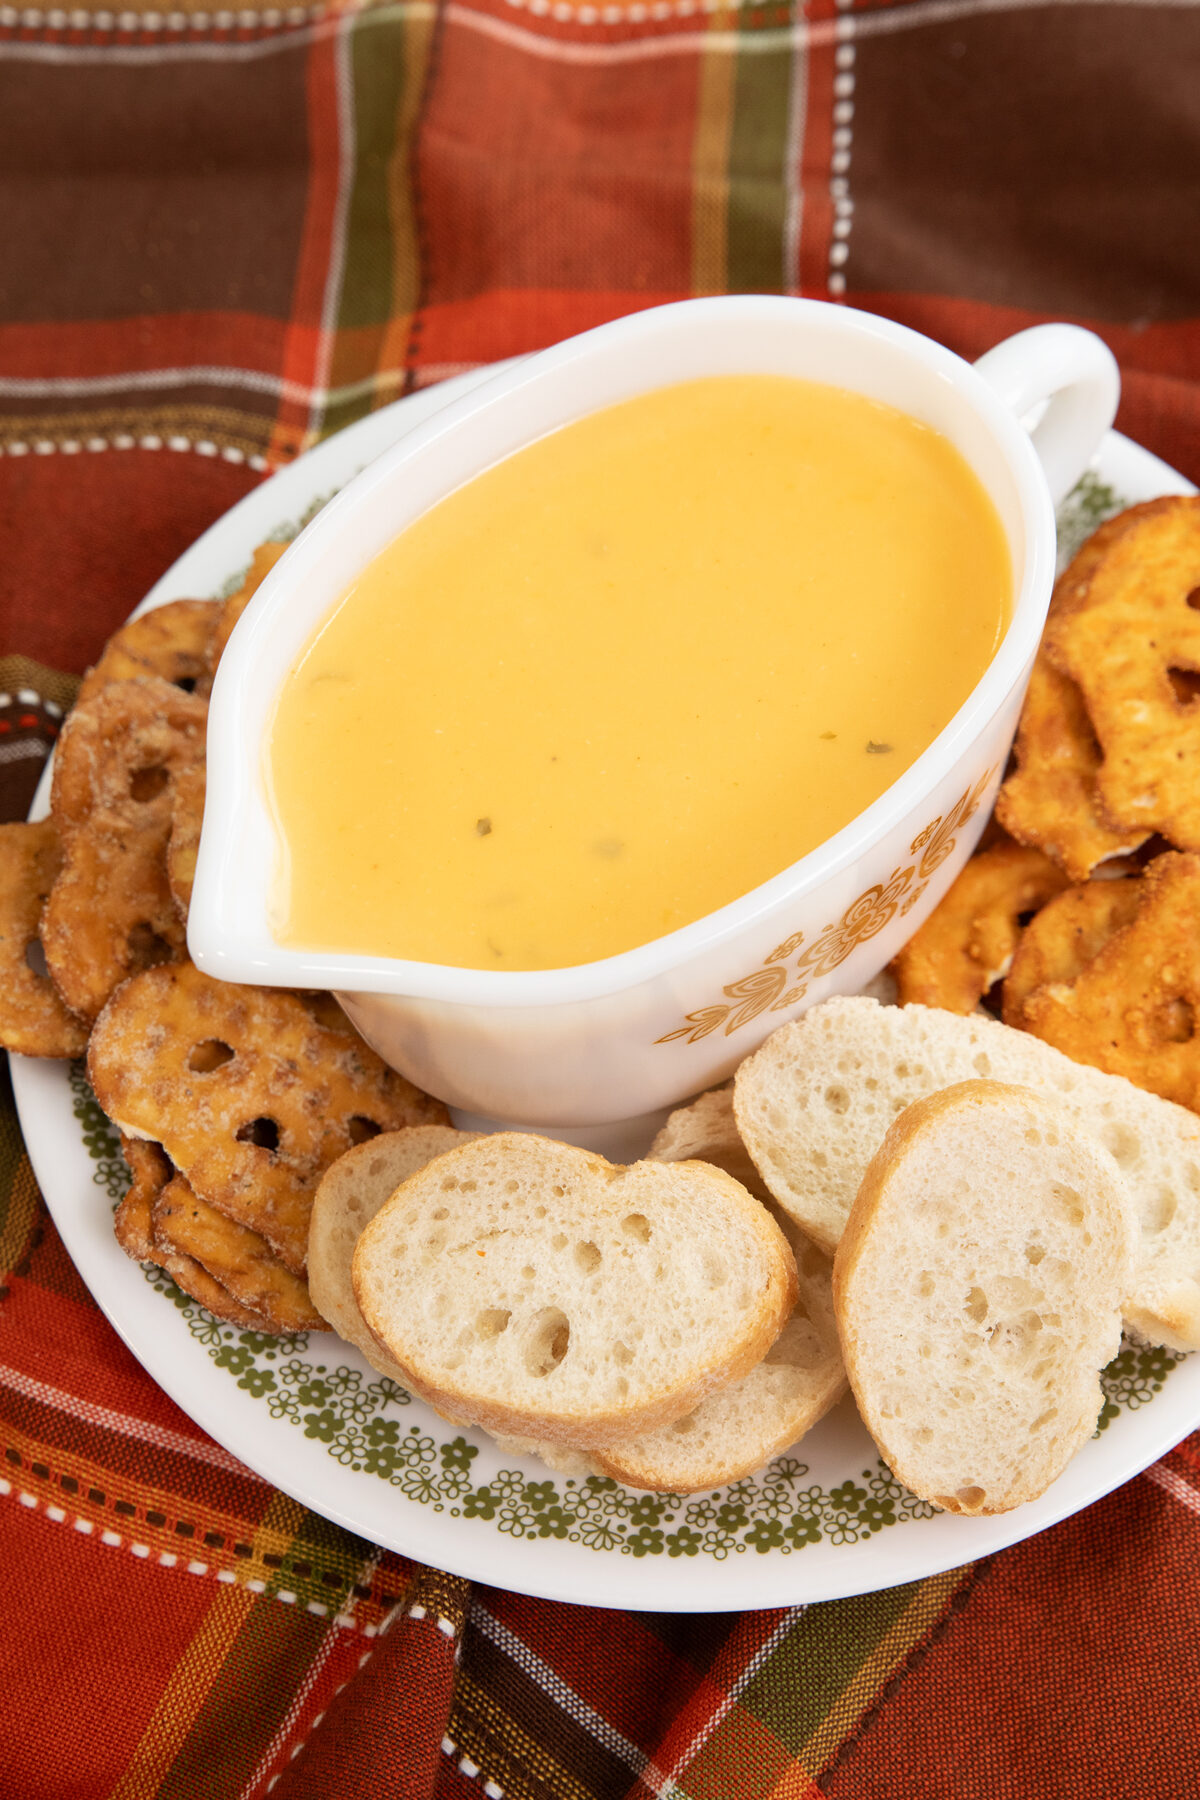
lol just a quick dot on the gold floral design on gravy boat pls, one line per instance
(767, 988)
(578, 1051)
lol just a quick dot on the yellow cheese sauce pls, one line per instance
(628, 674)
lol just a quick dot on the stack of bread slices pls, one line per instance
(941, 1211)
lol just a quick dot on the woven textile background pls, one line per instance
(225, 235)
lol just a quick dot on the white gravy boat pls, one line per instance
(598, 1052)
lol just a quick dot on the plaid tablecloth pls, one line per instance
(225, 235)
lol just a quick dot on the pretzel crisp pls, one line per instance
(110, 912)
(1065, 936)
(968, 941)
(183, 845)
(250, 1097)
(169, 641)
(239, 1259)
(133, 1221)
(1132, 1009)
(33, 1018)
(1134, 650)
(1049, 802)
(121, 751)
(264, 560)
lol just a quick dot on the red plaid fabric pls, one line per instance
(229, 234)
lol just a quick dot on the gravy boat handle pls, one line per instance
(1071, 375)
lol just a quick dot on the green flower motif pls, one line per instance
(539, 1494)
(283, 1405)
(314, 1393)
(683, 1542)
(875, 1513)
(552, 1521)
(647, 1509)
(234, 1357)
(258, 1382)
(458, 1456)
(801, 1529)
(385, 1390)
(597, 1533)
(785, 1469)
(764, 1535)
(420, 1484)
(322, 1425)
(418, 1449)
(381, 1459)
(480, 1503)
(508, 1484)
(204, 1328)
(847, 1497)
(731, 1516)
(517, 1520)
(645, 1542)
(718, 1544)
(382, 1432)
(700, 1513)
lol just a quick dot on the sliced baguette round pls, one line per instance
(350, 1193)
(545, 1293)
(978, 1288)
(737, 1431)
(705, 1130)
(813, 1103)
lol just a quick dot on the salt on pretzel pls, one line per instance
(121, 751)
(1065, 936)
(170, 641)
(183, 845)
(262, 562)
(1134, 650)
(33, 1017)
(240, 1260)
(1132, 1010)
(250, 1096)
(133, 1222)
(968, 940)
(110, 912)
(1049, 802)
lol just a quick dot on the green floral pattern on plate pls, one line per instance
(363, 1426)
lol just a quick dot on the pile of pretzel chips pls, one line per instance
(231, 1101)
(1078, 919)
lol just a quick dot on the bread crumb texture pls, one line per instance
(978, 1290)
(544, 1291)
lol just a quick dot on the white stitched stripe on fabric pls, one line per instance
(158, 1435)
(566, 1697)
(1175, 1485)
(730, 1700)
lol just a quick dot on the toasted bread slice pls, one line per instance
(740, 1429)
(978, 1290)
(350, 1193)
(545, 1293)
(814, 1102)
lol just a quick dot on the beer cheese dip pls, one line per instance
(628, 674)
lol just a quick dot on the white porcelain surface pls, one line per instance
(611, 1040)
(313, 1472)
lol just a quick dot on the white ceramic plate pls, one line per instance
(311, 1417)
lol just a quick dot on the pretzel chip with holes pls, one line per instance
(1065, 936)
(133, 1222)
(262, 562)
(249, 1095)
(170, 641)
(1134, 650)
(110, 913)
(967, 942)
(1132, 1009)
(239, 1259)
(33, 1017)
(121, 751)
(1049, 802)
(183, 844)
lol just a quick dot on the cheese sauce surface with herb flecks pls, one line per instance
(629, 673)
